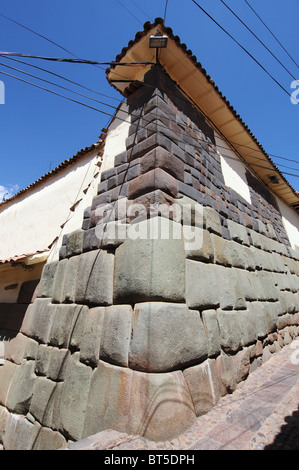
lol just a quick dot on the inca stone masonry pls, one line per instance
(142, 334)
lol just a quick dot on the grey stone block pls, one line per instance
(63, 325)
(211, 325)
(58, 286)
(91, 338)
(95, 285)
(150, 268)
(109, 399)
(40, 403)
(45, 287)
(57, 364)
(161, 405)
(201, 286)
(116, 335)
(230, 330)
(38, 320)
(74, 397)
(74, 243)
(212, 221)
(202, 381)
(21, 388)
(231, 295)
(20, 434)
(166, 337)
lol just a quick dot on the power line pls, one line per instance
(38, 34)
(60, 86)
(261, 42)
(129, 11)
(121, 119)
(242, 47)
(276, 39)
(111, 106)
(166, 4)
(61, 77)
(74, 61)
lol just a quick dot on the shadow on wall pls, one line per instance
(288, 438)
(12, 314)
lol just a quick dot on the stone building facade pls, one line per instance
(172, 290)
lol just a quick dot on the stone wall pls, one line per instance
(172, 291)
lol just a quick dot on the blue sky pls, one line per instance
(39, 130)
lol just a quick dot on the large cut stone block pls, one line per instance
(161, 158)
(91, 338)
(201, 285)
(230, 330)
(95, 283)
(21, 388)
(74, 397)
(108, 405)
(150, 268)
(20, 434)
(63, 325)
(166, 337)
(202, 381)
(161, 406)
(45, 287)
(116, 335)
(41, 406)
(152, 180)
(38, 320)
(230, 289)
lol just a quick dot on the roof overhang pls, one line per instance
(183, 68)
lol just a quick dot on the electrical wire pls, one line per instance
(261, 42)
(111, 106)
(61, 77)
(129, 11)
(242, 47)
(124, 120)
(166, 5)
(38, 34)
(276, 39)
(74, 61)
(60, 86)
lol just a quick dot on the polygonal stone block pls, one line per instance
(158, 344)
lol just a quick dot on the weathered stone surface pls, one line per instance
(222, 253)
(211, 325)
(150, 268)
(63, 324)
(20, 434)
(58, 285)
(21, 388)
(230, 290)
(74, 243)
(108, 405)
(238, 232)
(15, 349)
(57, 364)
(201, 285)
(242, 364)
(161, 406)
(227, 379)
(198, 244)
(152, 180)
(78, 327)
(212, 221)
(91, 338)
(161, 158)
(42, 359)
(74, 397)
(256, 309)
(202, 381)
(166, 337)
(38, 320)
(6, 375)
(95, 284)
(41, 403)
(230, 330)
(45, 287)
(248, 326)
(115, 338)
(49, 440)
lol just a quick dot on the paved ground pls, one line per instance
(262, 414)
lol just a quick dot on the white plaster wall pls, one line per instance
(290, 220)
(234, 171)
(31, 222)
